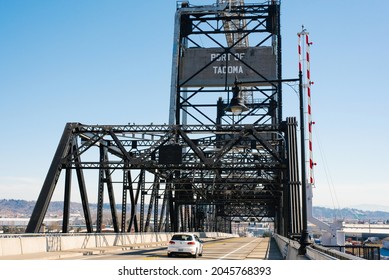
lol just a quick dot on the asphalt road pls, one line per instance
(226, 249)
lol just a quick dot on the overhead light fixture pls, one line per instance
(236, 105)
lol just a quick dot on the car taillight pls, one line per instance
(172, 242)
(191, 243)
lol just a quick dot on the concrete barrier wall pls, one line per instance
(82, 241)
(31, 245)
(27, 244)
(11, 246)
(288, 247)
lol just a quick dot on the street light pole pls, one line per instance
(304, 239)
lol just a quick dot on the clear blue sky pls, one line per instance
(100, 62)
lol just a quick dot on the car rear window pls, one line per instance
(182, 237)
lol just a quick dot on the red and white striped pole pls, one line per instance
(307, 84)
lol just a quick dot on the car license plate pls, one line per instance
(180, 250)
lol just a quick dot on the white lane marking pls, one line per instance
(237, 249)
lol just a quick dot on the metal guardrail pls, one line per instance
(289, 250)
(362, 251)
(335, 254)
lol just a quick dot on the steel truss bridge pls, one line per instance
(208, 168)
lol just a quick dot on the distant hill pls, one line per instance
(13, 208)
(324, 213)
(22, 208)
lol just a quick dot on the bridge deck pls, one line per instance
(230, 248)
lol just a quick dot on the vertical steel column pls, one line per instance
(187, 218)
(100, 194)
(124, 196)
(199, 219)
(67, 195)
(175, 66)
(193, 218)
(281, 206)
(214, 222)
(277, 8)
(156, 206)
(170, 219)
(173, 208)
(163, 221)
(181, 215)
(280, 220)
(66, 203)
(142, 201)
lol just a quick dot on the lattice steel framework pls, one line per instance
(208, 167)
(209, 27)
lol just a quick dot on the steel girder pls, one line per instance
(239, 164)
(210, 27)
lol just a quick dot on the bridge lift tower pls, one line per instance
(227, 155)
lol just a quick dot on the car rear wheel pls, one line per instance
(196, 254)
